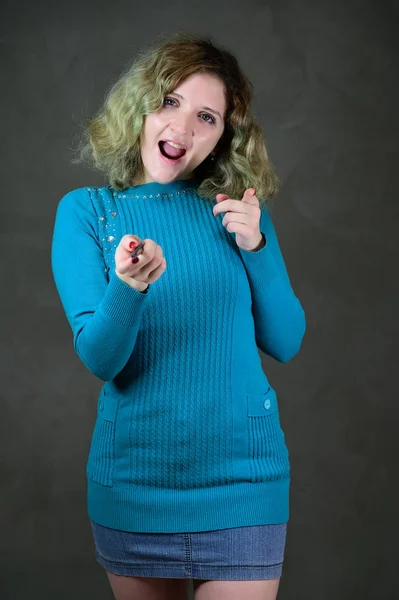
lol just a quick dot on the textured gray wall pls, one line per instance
(326, 94)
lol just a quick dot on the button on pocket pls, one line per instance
(262, 404)
(100, 464)
(267, 451)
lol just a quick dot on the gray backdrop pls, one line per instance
(326, 94)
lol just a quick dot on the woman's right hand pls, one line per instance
(148, 269)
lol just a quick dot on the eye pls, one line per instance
(167, 98)
(212, 119)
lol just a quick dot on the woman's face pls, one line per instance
(189, 116)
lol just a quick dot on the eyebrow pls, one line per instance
(212, 110)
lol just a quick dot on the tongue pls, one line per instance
(172, 152)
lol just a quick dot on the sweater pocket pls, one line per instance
(100, 464)
(268, 453)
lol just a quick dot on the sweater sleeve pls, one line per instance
(279, 318)
(104, 316)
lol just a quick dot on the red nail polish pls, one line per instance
(135, 259)
(132, 244)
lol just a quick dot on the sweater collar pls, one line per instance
(154, 187)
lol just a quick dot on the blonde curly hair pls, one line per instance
(111, 140)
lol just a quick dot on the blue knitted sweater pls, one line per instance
(187, 435)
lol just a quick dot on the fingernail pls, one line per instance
(135, 259)
(132, 244)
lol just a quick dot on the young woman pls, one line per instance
(171, 277)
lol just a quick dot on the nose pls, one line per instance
(180, 129)
(182, 125)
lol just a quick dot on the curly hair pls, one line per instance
(111, 140)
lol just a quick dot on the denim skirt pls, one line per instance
(241, 553)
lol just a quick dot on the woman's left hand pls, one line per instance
(242, 218)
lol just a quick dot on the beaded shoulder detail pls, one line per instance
(145, 196)
(106, 210)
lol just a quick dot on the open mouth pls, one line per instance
(171, 154)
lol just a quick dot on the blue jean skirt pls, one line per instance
(241, 553)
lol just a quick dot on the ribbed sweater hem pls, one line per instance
(159, 510)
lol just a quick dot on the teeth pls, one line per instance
(174, 145)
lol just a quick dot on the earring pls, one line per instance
(212, 156)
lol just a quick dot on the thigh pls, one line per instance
(148, 588)
(236, 590)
